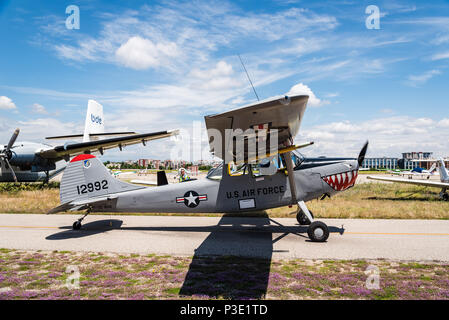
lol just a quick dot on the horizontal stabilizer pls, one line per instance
(144, 182)
(82, 204)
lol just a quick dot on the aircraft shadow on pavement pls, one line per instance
(236, 264)
(233, 262)
(87, 229)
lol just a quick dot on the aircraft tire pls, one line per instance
(445, 196)
(302, 219)
(318, 231)
(76, 225)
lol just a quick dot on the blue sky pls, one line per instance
(160, 65)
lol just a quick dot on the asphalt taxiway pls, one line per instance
(280, 238)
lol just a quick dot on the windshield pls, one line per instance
(297, 158)
(215, 173)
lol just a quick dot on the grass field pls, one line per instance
(44, 275)
(367, 200)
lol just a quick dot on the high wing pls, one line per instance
(281, 114)
(426, 183)
(68, 150)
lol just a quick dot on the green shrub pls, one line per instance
(11, 187)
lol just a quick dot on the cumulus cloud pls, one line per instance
(140, 53)
(443, 123)
(301, 88)
(39, 109)
(6, 103)
(388, 136)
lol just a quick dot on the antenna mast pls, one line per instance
(249, 79)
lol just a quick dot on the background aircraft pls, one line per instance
(30, 161)
(418, 171)
(232, 186)
(443, 183)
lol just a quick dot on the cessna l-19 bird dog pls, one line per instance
(30, 161)
(256, 182)
(443, 183)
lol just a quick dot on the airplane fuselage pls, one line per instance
(240, 193)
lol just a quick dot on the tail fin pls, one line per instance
(433, 167)
(94, 120)
(444, 176)
(86, 177)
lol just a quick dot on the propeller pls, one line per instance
(362, 153)
(6, 153)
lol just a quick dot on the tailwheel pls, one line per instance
(318, 231)
(77, 225)
(302, 218)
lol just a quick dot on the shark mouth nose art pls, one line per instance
(341, 181)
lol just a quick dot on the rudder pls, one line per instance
(94, 120)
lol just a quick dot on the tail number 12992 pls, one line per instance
(92, 186)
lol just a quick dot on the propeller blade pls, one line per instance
(13, 139)
(12, 170)
(362, 154)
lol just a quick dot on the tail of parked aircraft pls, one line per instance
(85, 177)
(94, 120)
(444, 176)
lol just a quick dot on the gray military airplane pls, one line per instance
(272, 179)
(31, 162)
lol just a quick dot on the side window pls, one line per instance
(266, 167)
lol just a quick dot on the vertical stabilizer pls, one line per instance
(444, 176)
(94, 120)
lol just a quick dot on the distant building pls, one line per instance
(408, 161)
(416, 155)
(380, 163)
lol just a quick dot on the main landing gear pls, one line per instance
(77, 224)
(302, 218)
(317, 231)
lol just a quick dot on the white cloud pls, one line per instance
(387, 136)
(301, 88)
(444, 123)
(38, 108)
(440, 56)
(140, 53)
(6, 103)
(415, 80)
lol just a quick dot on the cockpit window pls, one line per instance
(216, 173)
(297, 158)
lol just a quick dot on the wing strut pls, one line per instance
(291, 179)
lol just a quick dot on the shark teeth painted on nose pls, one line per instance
(341, 181)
